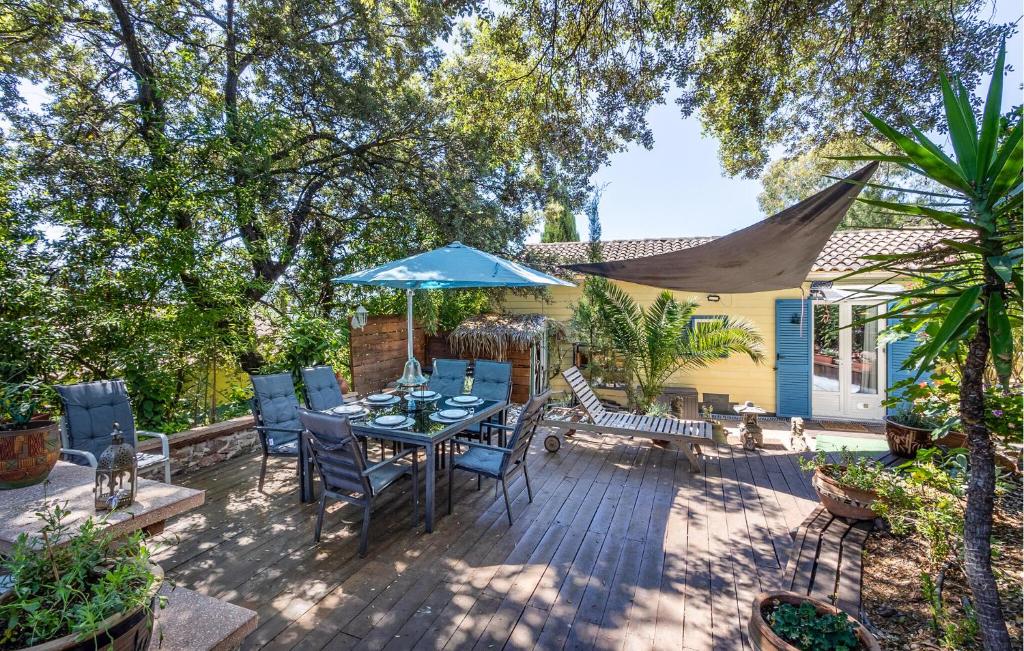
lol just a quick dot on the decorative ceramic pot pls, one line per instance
(129, 631)
(28, 455)
(842, 501)
(905, 440)
(764, 639)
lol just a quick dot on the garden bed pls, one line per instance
(892, 598)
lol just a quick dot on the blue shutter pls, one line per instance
(896, 354)
(793, 357)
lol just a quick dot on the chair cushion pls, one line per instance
(275, 396)
(492, 380)
(480, 460)
(384, 476)
(322, 390)
(90, 411)
(449, 376)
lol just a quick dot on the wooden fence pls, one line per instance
(379, 352)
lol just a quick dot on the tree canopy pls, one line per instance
(197, 173)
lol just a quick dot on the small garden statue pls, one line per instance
(750, 431)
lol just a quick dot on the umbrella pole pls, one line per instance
(408, 321)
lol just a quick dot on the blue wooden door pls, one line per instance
(896, 356)
(792, 357)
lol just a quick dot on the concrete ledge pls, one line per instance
(195, 622)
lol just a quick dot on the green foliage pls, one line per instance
(19, 403)
(852, 471)
(806, 629)
(914, 419)
(756, 76)
(71, 587)
(559, 224)
(657, 340)
(792, 179)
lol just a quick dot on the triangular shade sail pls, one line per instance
(451, 267)
(775, 253)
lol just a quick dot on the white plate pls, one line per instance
(379, 397)
(453, 414)
(466, 400)
(389, 421)
(423, 394)
(347, 410)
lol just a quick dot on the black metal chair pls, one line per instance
(343, 470)
(498, 462)
(275, 409)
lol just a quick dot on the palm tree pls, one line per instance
(661, 339)
(969, 293)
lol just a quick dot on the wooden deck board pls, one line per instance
(622, 547)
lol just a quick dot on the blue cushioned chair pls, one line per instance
(320, 388)
(276, 412)
(449, 376)
(343, 470)
(91, 410)
(491, 381)
(498, 462)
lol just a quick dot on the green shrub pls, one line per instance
(803, 627)
(60, 589)
(861, 473)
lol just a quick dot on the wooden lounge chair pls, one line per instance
(688, 434)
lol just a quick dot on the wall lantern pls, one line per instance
(116, 474)
(359, 318)
(713, 298)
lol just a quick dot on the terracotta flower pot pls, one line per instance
(764, 639)
(842, 501)
(28, 455)
(905, 440)
(130, 631)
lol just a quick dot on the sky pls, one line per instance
(677, 188)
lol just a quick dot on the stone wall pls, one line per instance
(204, 446)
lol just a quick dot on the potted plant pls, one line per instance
(845, 489)
(786, 621)
(907, 431)
(78, 590)
(29, 441)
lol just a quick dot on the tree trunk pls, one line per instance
(980, 494)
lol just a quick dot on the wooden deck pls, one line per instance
(622, 547)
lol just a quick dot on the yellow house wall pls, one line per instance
(737, 376)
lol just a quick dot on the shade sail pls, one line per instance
(451, 267)
(775, 253)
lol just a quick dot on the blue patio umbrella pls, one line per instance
(450, 267)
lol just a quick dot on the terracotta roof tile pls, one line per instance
(844, 251)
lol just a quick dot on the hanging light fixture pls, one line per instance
(359, 318)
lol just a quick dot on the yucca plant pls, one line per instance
(968, 291)
(660, 339)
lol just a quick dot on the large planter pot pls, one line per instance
(28, 455)
(905, 440)
(842, 501)
(764, 639)
(129, 631)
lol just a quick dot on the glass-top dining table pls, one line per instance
(423, 426)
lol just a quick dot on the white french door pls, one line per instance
(848, 367)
